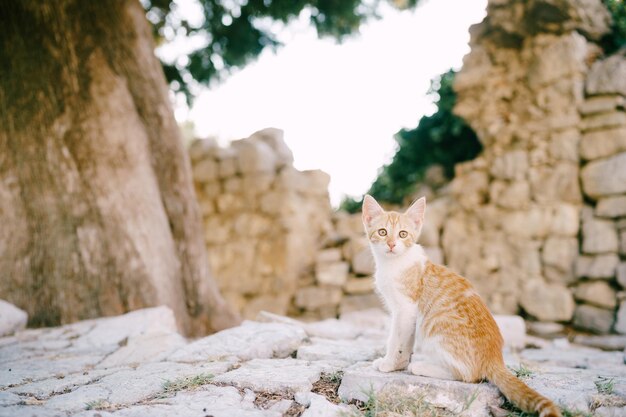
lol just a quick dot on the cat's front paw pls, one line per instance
(386, 365)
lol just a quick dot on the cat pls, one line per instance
(457, 333)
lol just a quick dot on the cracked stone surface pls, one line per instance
(138, 365)
(248, 341)
(360, 380)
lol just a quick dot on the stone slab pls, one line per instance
(248, 341)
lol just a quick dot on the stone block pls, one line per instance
(611, 207)
(607, 76)
(565, 219)
(597, 293)
(249, 341)
(605, 177)
(232, 185)
(144, 348)
(216, 231)
(604, 121)
(275, 139)
(599, 236)
(12, 319)
(205, 170)
(511, 165)
(594, 319)
(352, 303)
(227, 167)
(547, 302)
(399, 387)
(602, 104)
(434, 254)
(212, 189)
(555, 183)
(364, 285)
(334, 273)
(272, 303)
(608, 342)
(207, 207)
(254, 156)
(201, 149)
(290, 179)
(363, 262)
(355, 245)
(258, 183)
(597, 267)
(251, 225)
(230, 203)
(559, 220)
(560, 252)
(621, 274)
(603, 143)
(543, 329)
(560, 58)
(471, 189)
(328, 255)
(311, 298)
(564, 145)
(348, 225)
(430, 234)
(552, 274)
(513, 330)
(622, 242)
(620, 324)
(317, 182)
(512, 195)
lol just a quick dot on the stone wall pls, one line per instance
(263, 219)
(544, 103)
(537, 221)
(600, 274)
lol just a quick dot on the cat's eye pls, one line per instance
(382, 232)
(403, 234)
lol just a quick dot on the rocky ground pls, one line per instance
(139, 365)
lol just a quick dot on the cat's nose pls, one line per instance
(391, 245)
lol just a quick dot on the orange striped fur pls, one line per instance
(454, 327)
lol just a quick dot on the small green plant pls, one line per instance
(100, 404)
(566, 412)
(605, 385)
(522, 371)
(469, 401)
(335, 377)
(387, 403)
(371, 405)
(185, 383)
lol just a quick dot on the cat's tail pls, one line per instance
(520, 394)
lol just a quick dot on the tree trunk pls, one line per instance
(97, 209)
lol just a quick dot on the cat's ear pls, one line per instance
(371, 209)
(416, 211)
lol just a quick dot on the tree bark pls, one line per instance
(98, 214)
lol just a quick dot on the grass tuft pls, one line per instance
(185, 383)
(100, 404)
(386, 403)
(605, 385)
(522, 371)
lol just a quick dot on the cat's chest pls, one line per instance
(390, 286)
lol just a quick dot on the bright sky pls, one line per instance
(341, 104)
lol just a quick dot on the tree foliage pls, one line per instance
(234, 32)
(617, 38)
(442, 138)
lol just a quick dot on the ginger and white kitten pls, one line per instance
(457, 333)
